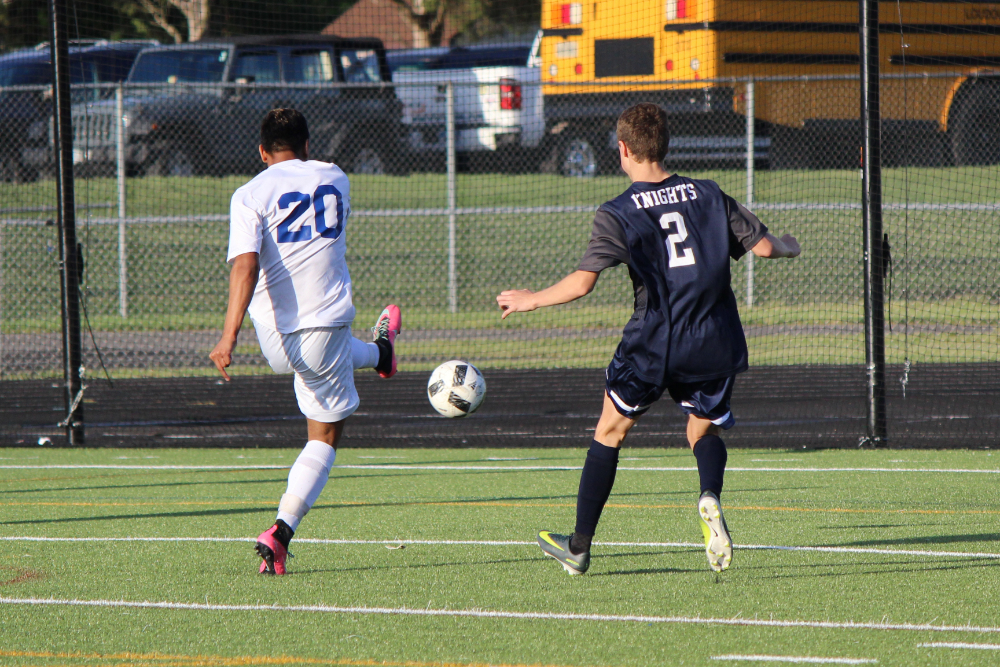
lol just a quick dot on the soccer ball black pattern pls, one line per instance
(456, 388)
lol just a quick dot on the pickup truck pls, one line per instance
(499, 117)
(196, 108)
(26, 97)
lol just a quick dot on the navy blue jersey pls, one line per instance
(677, 237)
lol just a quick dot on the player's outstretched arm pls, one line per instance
(570, 288)
(771, 247)
(242, 282)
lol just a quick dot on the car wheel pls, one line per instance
(174, 161)
(574, 156)
(367, 160)
(974, 134)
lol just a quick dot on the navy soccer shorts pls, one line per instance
(632, 396)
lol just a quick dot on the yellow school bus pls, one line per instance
(600, 55)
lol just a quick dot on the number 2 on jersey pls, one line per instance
(305, 232)
(686, 256)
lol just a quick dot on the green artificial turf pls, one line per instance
(816, 505)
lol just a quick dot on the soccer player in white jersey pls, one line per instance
(286, 247)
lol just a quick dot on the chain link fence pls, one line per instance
(461, 190)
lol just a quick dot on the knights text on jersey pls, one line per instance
(677, 237)
(294, 215)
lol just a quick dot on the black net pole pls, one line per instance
(69, 251)
(871, 204)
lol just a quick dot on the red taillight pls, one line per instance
(682, 9)
(510, 94)
(571, 14)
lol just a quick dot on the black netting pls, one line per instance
(478, 149)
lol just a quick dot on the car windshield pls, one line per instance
(14, 73)
(257, 67)
(310, 66)
(181, 66)
(414, 60)
(360, 66)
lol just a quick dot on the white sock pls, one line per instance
(306, 480)
(365, 354)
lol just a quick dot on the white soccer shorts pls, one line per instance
(323, 364)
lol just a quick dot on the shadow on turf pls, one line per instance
(858, 526)
(401, 473)
(408, 566)
(155, 515)
(473, 502)
(502, 561)
(894, 568)
(144, 486)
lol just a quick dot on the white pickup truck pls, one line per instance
(498, 100)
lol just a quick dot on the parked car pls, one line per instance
(499, 115)
(196, 108)
(414, 60)
(25, 112)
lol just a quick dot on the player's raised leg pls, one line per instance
(596, 482)
(381, 353)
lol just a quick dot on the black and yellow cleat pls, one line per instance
(557, 546)
(718, 544)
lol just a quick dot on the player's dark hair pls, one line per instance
(643, 128)
(284, 130)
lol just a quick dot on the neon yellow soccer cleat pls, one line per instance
(557, 546)
(718, 544)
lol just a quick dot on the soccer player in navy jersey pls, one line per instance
(676, 234)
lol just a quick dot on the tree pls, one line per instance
(196, 12)
(428, 25)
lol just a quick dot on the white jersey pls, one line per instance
(294, 214)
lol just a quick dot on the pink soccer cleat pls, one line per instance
(386, 328)
(272, 551)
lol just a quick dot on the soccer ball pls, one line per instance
(456, 388)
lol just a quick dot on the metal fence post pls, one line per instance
(871, 205)
(750, 167)
(450, 133)
(1, 298)
(69, 250)
(120, 160)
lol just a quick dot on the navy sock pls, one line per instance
(579, 543)
(711, 454)
(595, 486)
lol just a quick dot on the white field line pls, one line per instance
(70, 466)
(486, 613)
(979, 647)
(515, 543)
(800, 659)
(390, 466)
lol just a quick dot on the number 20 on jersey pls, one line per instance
(302, 202)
